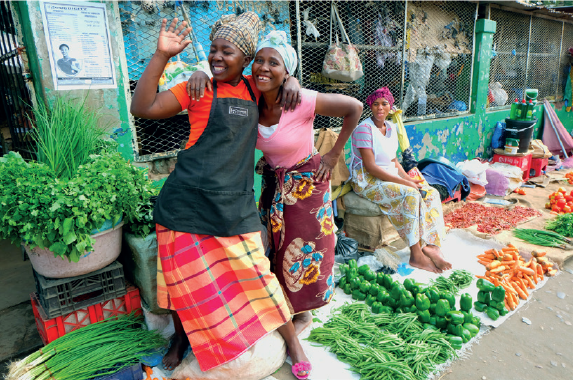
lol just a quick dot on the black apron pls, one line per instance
(211, 189)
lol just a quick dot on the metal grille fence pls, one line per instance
(434, 79)
(529, 53)
(141, 21)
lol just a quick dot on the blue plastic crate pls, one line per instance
(135, 372)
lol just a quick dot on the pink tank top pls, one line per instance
(293, 140)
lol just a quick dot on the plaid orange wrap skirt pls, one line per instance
(222, 289)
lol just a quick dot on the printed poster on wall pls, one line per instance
(78, 41)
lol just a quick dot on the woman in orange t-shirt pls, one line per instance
(212, 271)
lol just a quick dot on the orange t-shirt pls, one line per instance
(199, 110)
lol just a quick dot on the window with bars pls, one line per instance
(530, 52)
(421, 50)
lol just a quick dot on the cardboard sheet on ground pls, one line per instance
(460, 248)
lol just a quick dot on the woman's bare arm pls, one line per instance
(369, 162)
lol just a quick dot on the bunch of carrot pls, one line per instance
(508, 269)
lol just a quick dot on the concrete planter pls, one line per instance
(106, 249)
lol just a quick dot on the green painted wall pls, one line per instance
(113, 103)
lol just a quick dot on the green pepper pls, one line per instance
(351, 274)
(358, 295)
(365, 287)
(451, 299)
(355, 282)
(375, 289)
(352, 263)
(386, 309)
(370, 299)
(429, 326)
(492, 313)
(422, 302)
(465, 302)
(406, 299)
(433, 294)
(456, 330)
(411, 309)
(481, 296)
(382, 296)
(432, 320)
(392, 302)
(415, 290)
(455, 342)
(376, 307)
(370, 275)
(473, 329)
(455, 317)
(442, 308)
(423, 316)
(362, 269)
(441, 322)
(380, 279)
(503, 311)
(485, 285)
(466, 335)
(347, 289)
(361, 278)
(432, 308)
(397, 291)
(343, 269)
(479, 306)
(476, 321)
(408, 283)
(468, 316)
(498, 294)
(497, 305)
(342, 282)
(388, 282)
(399, 310)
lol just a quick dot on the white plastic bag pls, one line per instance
(474, 170)
(179, 72)
(512, 173)
(499, 95)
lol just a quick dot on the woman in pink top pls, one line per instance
(295, 204)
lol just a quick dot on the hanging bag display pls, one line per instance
(341, 61)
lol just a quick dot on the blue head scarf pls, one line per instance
(277, 39)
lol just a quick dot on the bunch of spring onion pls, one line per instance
(543, 238)
(383, 346)
(95, 350)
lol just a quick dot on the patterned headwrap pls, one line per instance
(383, 92)
(242, 30)
(277, 39)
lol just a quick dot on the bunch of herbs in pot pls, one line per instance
(57, 201)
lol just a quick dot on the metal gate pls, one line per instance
(14, 95)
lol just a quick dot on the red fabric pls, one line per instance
(222, 289)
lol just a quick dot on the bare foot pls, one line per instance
(297, 355)
(435, 254)
(423, 262)
(175, 353)
(301, 321)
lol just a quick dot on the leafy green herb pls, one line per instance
(59, 214)
(459, 279)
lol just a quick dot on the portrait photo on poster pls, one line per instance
(67, 64)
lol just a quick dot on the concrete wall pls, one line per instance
(113, 103)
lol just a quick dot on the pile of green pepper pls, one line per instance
(435, 309)
(491, 299)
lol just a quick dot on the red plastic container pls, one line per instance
(52, 329)
(524, 163)
(538, 165)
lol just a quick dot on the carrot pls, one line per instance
(538, 254)
(482, 277)
(525, 270)
(509, 245)
(484, 263)
(489, 251)
(494, 281)
(510, 303)
(506, 303)
(552, 273)
(519, 291)
(534, 277)
(499, 269)
(507, 257)
(509, 289)
(493, 264)
(539, 269)
(530, 283)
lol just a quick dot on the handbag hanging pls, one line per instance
(341, 61)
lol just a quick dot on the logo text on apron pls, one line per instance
(238, 111)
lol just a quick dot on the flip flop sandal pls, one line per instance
(299, 367)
